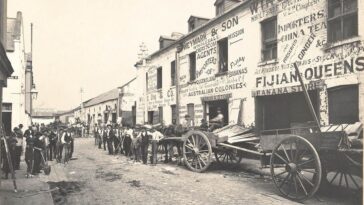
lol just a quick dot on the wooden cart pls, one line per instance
(299, 158)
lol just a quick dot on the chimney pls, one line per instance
(221, 6)
(195, 22)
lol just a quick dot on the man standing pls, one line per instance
(109, 136)
(66, 141)
(144, 136)
(52, 144)
(127, 140)
(104, 139)
(116, 139)
(18, 148)
(100, 136)
(29, 135)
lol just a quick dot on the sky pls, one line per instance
(93, 44)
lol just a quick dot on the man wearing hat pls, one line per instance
(30, 138)
(109, 136)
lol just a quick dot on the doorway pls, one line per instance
(211, 107)
(280, 111)
(7, 123)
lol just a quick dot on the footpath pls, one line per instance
(31, 191)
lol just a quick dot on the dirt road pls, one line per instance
(94, 177)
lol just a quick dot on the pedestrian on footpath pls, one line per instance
(100, 136)
(30, 138)
(18, 148)
(109, 136)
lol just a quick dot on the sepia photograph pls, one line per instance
(201, 102)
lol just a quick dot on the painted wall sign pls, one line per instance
(322, 71)
(289, 89)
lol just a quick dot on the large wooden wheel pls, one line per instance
(348, 172)
(296, 168)
(226, 156)
(197, 151)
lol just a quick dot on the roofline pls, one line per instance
(211, 21)
(199, 17)
(100, 102)
(127, 82)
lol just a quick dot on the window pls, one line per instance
(223, 55)
(192, 58)
(173, 73)
(269, 38)
(159, 78)
(174, 114)
(160, 112)
(342, 19)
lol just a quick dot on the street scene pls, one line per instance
(183, 102)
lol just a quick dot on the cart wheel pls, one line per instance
(348, 173)
(197, 151)
(228, 156)
(296, 168)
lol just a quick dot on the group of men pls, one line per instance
(130, 141)
(40, 143)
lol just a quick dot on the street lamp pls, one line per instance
(34, 93)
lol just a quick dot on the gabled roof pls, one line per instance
(107, 96)
(197, 17)
(208, 23)
(219, 1)
(104, 97)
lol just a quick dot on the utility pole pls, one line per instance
(81, 106)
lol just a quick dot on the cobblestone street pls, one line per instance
(94, 177)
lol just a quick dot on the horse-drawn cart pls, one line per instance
(300, 157)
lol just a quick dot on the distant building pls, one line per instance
(43, 116)
(66, 117)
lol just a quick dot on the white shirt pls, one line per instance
(63, 136)
(156, 135)
(129, 132)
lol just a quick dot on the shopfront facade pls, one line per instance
(241, 62)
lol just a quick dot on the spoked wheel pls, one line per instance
(197, 151)
(225, 156)
(348, 173)
(296, 168)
